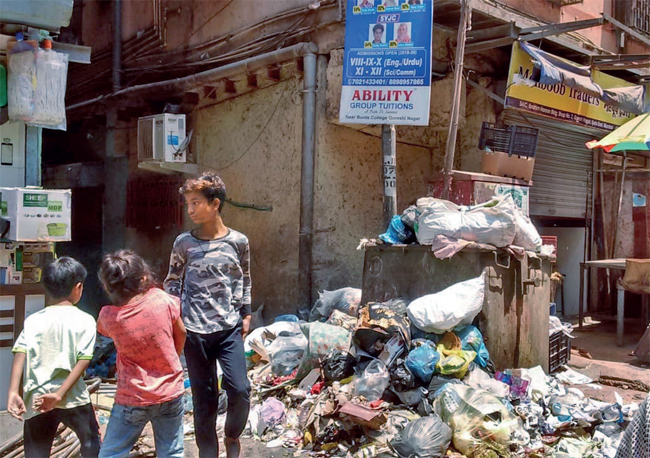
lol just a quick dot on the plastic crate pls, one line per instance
(513, 140)
(559, 350)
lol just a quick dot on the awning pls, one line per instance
(552, 70)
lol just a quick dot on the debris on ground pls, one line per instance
(385, 387)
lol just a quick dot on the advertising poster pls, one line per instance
(387, 62)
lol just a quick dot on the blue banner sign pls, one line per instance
(387, 63)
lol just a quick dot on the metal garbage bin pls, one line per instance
(514, 320)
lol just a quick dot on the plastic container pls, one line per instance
(559, 351)
(513, 140)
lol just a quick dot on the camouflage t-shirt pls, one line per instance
(212, 278)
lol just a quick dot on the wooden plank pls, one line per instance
(607, 263)
(19, 317)
(6, 313)
(28, 289)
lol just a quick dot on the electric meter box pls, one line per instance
(35, 215)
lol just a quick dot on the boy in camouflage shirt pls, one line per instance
(209, 271)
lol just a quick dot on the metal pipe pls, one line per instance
(117, 44)
(465, 13)
(305, 236)
(389, 171)
(179, 84)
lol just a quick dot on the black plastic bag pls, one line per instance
(401, 377)
(427, 437)
(337, 365)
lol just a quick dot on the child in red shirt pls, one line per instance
(145, 324)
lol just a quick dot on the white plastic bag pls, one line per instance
(373, 382)
(492, 222)
(457, 305)
(526, 235)
(49, 96)
(479, 414)
(286, 352)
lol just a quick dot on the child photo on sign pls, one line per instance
(366, 3)
(377, 35)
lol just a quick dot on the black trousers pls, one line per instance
(201, 354)
(39, 431)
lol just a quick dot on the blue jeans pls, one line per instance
(127, 422)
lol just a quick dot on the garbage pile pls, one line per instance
(448, 227)
(414, 379)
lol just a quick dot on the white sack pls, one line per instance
(457, 305)
(491, 223)
(526, 235)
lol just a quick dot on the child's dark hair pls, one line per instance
(124, 274)
(208, 184)
(62, 275)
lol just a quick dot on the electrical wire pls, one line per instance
(205, 23)
(275, 109)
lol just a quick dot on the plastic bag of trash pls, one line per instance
(422, 360)
(272, 412)
(454, 362)
(337, 365)
(472, 340)
(286, 352)
(379, 322)
(457, 305)
(322, 338)
(438, 382)
(478, 378)
(410, 217)
(401, 377)
(346, 300)
(373, 382)
(492, 222)
(338, 318)
(475, 415)
(397, 233)
(427, 437)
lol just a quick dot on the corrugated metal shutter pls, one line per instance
(561, 186)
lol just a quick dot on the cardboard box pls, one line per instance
(36, 215)
(502, 165)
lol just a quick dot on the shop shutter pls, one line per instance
(561, 177)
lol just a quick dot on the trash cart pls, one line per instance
(514, 320)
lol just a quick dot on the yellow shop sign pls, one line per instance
(559, 101)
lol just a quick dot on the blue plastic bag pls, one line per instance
(397, 233)
(422, 359)
(290, 318)
(472, 340)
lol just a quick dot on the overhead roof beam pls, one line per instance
(495, 37)
(543, 31)
(627, 29)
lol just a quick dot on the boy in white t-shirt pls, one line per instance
(54, 349)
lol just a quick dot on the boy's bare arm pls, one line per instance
(179, 334)
(47, 402)
(15, 404)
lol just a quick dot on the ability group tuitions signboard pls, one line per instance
(560, 101)
(387, 63)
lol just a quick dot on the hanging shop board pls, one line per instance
(387, 62)
(559, 101)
